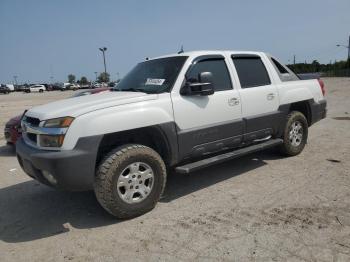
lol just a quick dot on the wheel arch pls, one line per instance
(303, 107)
(161, 138)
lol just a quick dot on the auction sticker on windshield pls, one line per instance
(154, 81)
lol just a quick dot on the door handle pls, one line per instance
(233, 101)
(270, 96)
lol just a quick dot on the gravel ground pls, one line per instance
(260, 207)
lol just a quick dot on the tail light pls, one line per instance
(322, 86)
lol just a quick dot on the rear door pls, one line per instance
(259, 96)
(208, 123)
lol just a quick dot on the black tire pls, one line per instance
(289, 147)
(111, 169)
(40, 90)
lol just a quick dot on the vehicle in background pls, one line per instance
(21, 88)
(56, 86)
(48, 87)
(4, 89)
(36, 88)
(98, 85)
(11, 87)
(113, 84)
(69, 86)
(13, 127)
(75, 86)
(85, 86)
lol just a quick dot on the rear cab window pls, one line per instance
(284, 73)
(251, 71)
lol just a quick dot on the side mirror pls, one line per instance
(204, 86)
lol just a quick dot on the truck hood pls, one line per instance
(77, 106)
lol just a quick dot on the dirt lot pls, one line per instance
(261, 207)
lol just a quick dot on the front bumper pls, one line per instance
(74, 170)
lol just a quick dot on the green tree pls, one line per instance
(103, 78)
(71, 78)
(83, 80)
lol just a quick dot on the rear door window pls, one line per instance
(251, 71)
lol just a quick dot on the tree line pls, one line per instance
(337, 68)
(102, 78)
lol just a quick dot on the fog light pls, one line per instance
(51, 140)
(49, 177)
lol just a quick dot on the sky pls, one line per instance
(42, 38)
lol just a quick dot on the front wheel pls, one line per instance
(130, 181)
(295, 134)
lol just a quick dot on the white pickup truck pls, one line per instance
(177, 112)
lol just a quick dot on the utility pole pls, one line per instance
(349, 50)
(294, 60)
(103, 50)
(349, 57)
(15, 78)
(348, 60)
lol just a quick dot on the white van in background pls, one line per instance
(11, 87)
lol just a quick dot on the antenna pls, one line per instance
(181, 50)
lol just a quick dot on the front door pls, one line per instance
(207, 124)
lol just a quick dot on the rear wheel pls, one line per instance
(40, 90)
(295, 134)
(130, 180)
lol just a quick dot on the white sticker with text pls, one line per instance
(154, 81)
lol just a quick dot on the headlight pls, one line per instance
(59, 122)
(51, 140)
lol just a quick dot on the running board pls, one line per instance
(188, 168)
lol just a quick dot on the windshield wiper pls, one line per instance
(132, 90)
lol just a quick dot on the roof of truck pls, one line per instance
(207, 52)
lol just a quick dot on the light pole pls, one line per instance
(103, 50)
(348, 61)
(15, 78)
(95, 76)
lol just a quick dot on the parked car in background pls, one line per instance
(4, 89)
(96, 85)
(56, 86)
(74, 86)
(13, 126)
(85, 86)
(21, 88)
(69, 86)
(36, 88)
(13, 129)
(48, 87)
(11, 87)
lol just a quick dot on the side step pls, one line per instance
(188, 168)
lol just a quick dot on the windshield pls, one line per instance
(154, 76)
